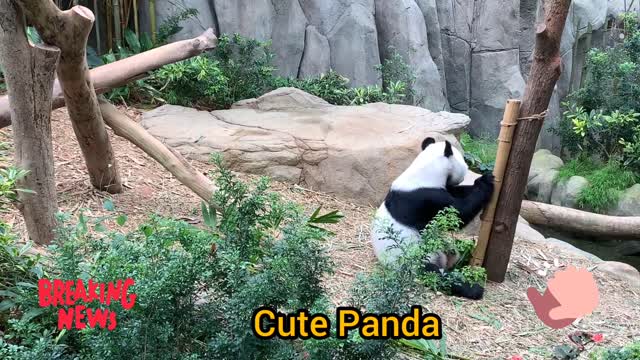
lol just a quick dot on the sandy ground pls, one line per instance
(499, 326)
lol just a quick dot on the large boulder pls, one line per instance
(351, 151)
(629, 203)
(566, 192)
(542, 175)
(621, 271)
(544, 160)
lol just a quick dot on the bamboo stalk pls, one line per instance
(117, 21)
(135, 17)
(152, 18)
(98, 38)
(508, 126)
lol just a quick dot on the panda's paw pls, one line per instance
(486, 183)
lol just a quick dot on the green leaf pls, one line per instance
(145, 42)
(99, 227)
(93, 59)
(32, 313)
(146, 230)
(132, 41)
(27, 285)
(6, 305)
(121, 219)
(108, 205)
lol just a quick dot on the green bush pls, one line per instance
(241, 68)
(630, 352)
(395, 72)
(606, 182)
(171, 25)
(479, 153)
(197, 287)
(613, 75)
(603, 116)
(605, 187)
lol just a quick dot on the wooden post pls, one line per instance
(29, 73)
(507, 129)
(69, 31)
(545, 71)
(123, 126)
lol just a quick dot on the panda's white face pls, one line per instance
(438, 165)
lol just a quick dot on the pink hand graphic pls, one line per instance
(570, 294)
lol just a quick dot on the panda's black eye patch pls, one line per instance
(428, 141)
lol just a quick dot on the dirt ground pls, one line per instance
(499, 326)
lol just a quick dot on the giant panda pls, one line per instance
(431, 183)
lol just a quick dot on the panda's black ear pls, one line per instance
(428, 141)
(447, 149)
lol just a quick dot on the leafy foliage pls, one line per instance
(629, 352)
(603, 116)
(605, 186)
(171, 25)
(197, 287)
(479, 153)
(606, 182)
(397, 76)
(8, 185)
(612, 81)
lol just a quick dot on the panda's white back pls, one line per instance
(382, 245)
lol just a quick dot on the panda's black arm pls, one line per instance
(475, 198)
(460, 191)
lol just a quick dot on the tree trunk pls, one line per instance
(123, 126)
(581, 222)
(545, 72)
(29, 74)
(69, 31)
(123, 71)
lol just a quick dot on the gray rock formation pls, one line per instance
(542, 186)
(621, 271)
(316, 59)
(566, 192)
(401, 27)
(469, 56)
(629, 203)
(351, 151)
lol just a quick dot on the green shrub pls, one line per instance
(171, 25)
(397, 76)
(479, 153)
(605, 186)
(606, 182)
(247, 65)
(603, 116)
(581, 166)
(630, 352)
(185, 82)
(197, 287)
(612, 78)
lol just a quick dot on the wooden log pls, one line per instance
(135, 67)
(545, 71)
(581, 222)
(69, 31)
(507, 128)
(29, 74)
(125, 127)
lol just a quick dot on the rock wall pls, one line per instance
(469, 56)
